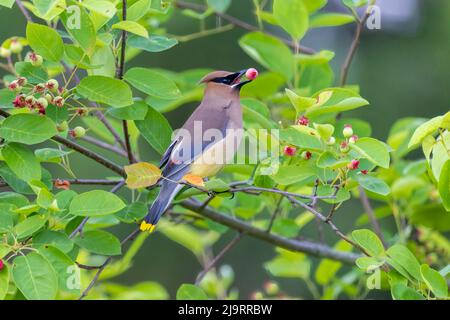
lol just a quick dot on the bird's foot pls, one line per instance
(145, 226)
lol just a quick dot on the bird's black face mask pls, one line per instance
(233, 80)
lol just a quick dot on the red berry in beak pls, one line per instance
(289, 151)
(251, 74)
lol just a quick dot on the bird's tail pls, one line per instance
(166, 194)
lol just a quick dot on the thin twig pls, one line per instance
(24, 11)
(88, 153)
(371, 214)
(104, 145)
(104, 265)
(238, 23)
(216, 259)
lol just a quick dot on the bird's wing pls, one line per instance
(210, 118)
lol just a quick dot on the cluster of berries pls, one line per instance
(344, 147)
(38, 96)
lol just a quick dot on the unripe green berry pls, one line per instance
(5, 53)
(331, 141)
(63, 126)
(79, 132)
(16, 46)
(271, 288)
(49, 98)
(257, 295)
(348, 131)
(344, 147)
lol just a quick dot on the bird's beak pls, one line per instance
(237, 79)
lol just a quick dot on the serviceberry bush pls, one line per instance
(67, 91)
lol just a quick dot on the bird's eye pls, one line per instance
(224, 80)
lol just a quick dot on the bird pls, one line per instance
(191, 155)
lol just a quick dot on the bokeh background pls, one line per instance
(402, 69)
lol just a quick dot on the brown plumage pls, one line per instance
(190, 152)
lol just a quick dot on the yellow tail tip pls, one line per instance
(147, 227)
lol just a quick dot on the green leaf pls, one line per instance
(300, 103)
(444, 185)
(373, 150)
(102, 7)
(63, 265)
(132, 27)
(133, 212)
(190, 292)
(400, 291)
(330, 20)
(45, 41)
(373, 184)
(35, 277)
(156, 130)
(434, 281)
(33, 74)
(401, 255)
(293, 16)
(82, 31)
(29, 226)
(50, 155)
(27, 128)
(424, 130)
(99, 242)
(432, 216)
(138, 9)
(299, 138)
(6, 217)
(337, 100)
(22, 162)
(289, 265)
(329, 160)
(152, 83)
(355, 3)
(137, 111)
(49, 9)
(369, 241)
(314, 5)
(6, 98)
(294, 173)
(270, 52)
(327, 268)
(57, 239)
(219, 5)
(285, 227)
(113, 92)
(368, 263)
(7, 3)
(154, 43)
(4, 281)
(325, 130)
(95, 203)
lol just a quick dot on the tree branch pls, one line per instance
(88, 153)
(371, 214)
(24, 11)
(216, 259)
(104, 145)
(308, 247)
(238, 23)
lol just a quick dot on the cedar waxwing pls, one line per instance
(206, 142)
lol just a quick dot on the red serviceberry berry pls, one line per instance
(303, 121)
(41, 103)
(251, 74)
(19, 101)
(364, 172)
(2, 264)
(306, 155)
(289, 151)
(81, 112)
(353, 165)
(14, 86)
